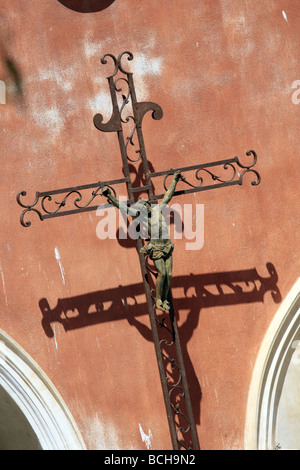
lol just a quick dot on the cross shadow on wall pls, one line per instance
(128, 302)
(86, 6)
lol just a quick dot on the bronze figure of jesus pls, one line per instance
(160, 248)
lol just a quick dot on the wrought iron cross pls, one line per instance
(85, 198)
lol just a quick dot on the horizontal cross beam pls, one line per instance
(205, 176)
(42, 198)
(232, 173)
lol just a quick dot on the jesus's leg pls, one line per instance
(168, 264)
(160, 281)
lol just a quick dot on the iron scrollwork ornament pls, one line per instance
(213, 175)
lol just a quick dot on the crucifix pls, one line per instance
(126, 120)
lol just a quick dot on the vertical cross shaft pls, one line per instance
(165, 331)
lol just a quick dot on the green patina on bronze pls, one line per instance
(160, 248)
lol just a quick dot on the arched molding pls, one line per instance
(37, 398)
(269, 374)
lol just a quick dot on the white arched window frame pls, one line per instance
(269, 373)
(37, 398)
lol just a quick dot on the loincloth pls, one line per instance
(159, 251)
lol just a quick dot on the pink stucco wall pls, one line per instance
(223, 72)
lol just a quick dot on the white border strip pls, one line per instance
(269, 372)
(37, 398)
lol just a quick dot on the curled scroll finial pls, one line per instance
(117, 62)
(250, 152)
(104, 61)
(130, 57)
(249, 168)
